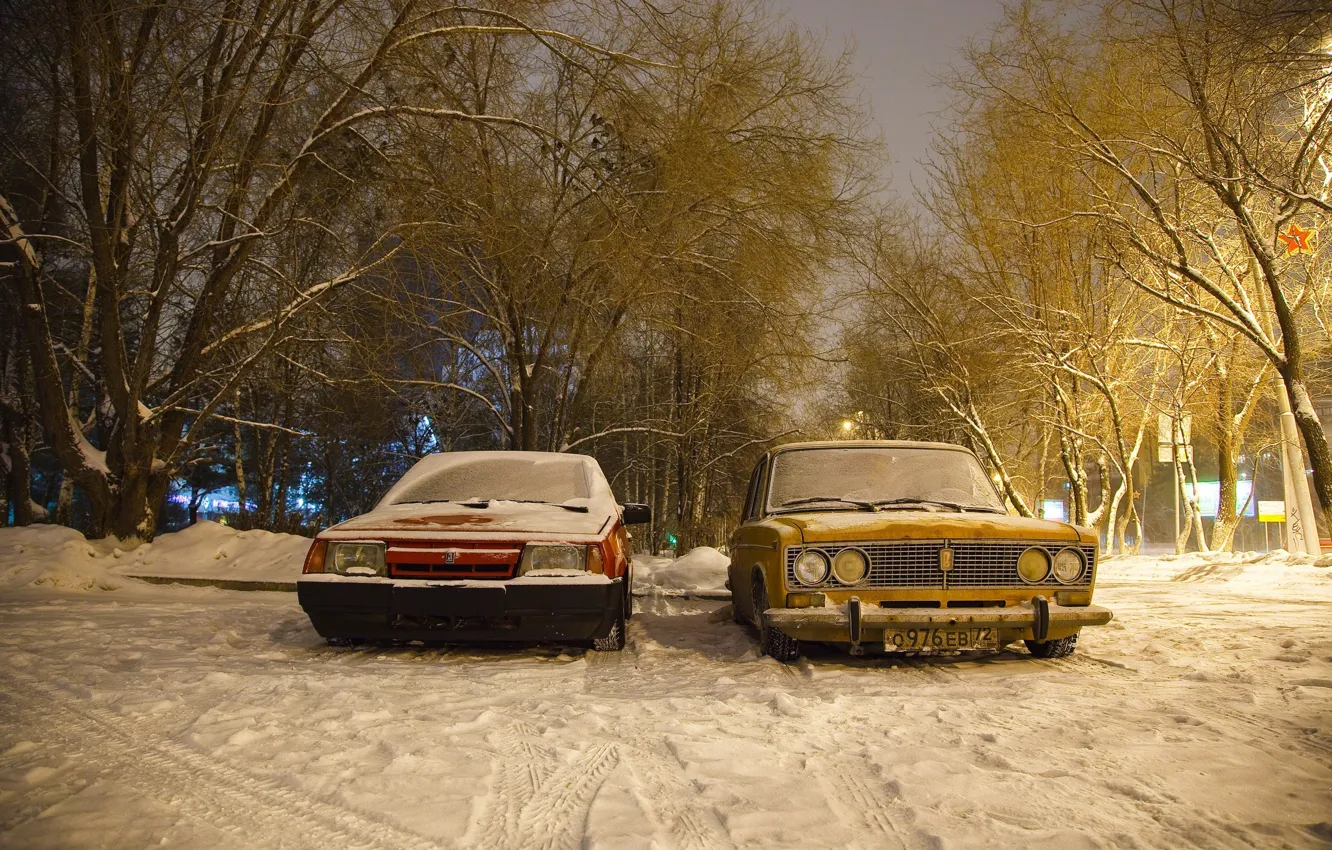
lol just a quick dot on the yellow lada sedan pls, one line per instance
(903, 547)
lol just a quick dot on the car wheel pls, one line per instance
(1061, 648)
(614, 639)
(628, 596)
(773, 642)
(345, 641)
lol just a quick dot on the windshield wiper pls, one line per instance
(578, 509)
(869, 506)
(485, 503)
(957, 506)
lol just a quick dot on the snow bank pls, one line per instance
(210, 550)
(56, 556)
(1275, 574)
(701, 570)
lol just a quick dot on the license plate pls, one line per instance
(915, 639)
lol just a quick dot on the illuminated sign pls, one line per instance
(1209, 497)
(1054, 509)
(1274, 511)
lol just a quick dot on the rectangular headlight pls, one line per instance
(356, 559)
(552, 558)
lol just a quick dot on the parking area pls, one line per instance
(209, 718)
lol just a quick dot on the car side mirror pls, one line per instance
(635, 514)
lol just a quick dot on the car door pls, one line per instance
(741, 544)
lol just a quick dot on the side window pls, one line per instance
(754, 494)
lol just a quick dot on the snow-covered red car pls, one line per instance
(479, 546)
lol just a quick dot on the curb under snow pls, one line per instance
(223, 583)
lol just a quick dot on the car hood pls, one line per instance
(926, 525)
(500, 517)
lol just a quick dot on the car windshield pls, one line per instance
(880, 478)
(520, 479)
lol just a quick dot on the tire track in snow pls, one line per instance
(1255, 725)
(536, 803)
(522, 768)
(557, 818)
(1146, 796)
(662, 791)
(21, 806)
(669, 798)
(203, 787)
(858, 801)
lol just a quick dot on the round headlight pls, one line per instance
(850, 566)
(1033, 565)
(1068, 565)
(811, 567)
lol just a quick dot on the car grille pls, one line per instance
(915, 564)
(452, 559)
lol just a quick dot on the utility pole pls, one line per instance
(1301, 527)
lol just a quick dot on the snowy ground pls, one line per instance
(162, 715)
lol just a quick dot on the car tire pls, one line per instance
(1060, 648)
(615, 638)
(345, 641)
(628, 596)
(773, 642)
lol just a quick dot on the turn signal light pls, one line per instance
(595, 564)
(314, 559)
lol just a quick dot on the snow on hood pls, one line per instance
(923, 525)
(546, 476)
(489, 493)
(496, 517)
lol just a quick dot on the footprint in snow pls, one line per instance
(1291, 658)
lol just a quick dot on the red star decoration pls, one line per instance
(1297, 240)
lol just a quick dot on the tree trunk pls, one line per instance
(241, 513)
(1192, 525)
(133, 516)
(1227, 465)
(279, 522)
(1077, 480)
(18, 472)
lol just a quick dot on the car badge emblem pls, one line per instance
(449, 556)
(945, 560)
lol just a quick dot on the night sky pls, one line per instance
(901, 47)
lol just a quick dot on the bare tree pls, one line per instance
(188, 148)
(1202, 130)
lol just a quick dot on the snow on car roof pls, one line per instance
(871, 444)
(558, 477)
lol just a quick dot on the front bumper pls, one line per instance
(855, 623)
(461, 611)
